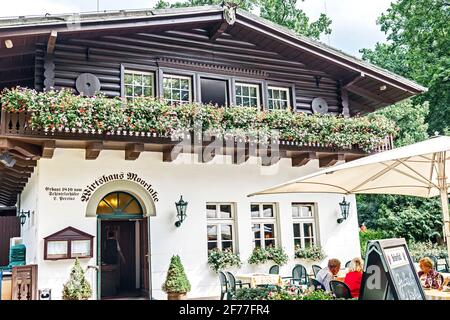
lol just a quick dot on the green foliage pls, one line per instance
(312, 253)
(66, 112)
(283, 12)
(176, 280)
(286, 292)
(419, 44)
(219, 260)
(77, 287)
(262, 255)
(368, 235)
(258, 293)
(318, 295)
(402, 216)
(418, 250)
(410, 119)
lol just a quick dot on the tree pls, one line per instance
(418, 32)
(282, 12)
(414, 218)
(176, 279)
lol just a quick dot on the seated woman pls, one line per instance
(354, 276)
(429, 277)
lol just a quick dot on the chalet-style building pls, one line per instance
(82, 186)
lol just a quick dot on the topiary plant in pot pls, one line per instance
(177, 284)
(77, 287)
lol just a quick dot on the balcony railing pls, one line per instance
(18, 124)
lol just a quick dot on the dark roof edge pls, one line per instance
(334, 52)
(320, 48)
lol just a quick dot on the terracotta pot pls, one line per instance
(176, 296)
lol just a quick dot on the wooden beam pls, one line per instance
(240, 156)
(48, 149)
(93, 150)
(51, 43)
(17, 175)
(353, 156)
(303, 158)
(19, 169)
(353, 81)
(170, 153)
(218, 30)
(132, 151)
(31, 151)
(369, 94)
(330, 160)
(25, 163)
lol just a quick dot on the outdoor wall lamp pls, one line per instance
(23, 216)
(345, 209)
(181, 206)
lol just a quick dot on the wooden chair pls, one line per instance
(340, 289)
(316, 269)
(275, 269)
(299, 275)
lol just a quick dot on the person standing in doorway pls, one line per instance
(113, 256)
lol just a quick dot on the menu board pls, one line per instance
(389, 273)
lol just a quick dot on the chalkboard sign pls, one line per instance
(389, 272)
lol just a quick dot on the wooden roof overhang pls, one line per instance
(17, 64)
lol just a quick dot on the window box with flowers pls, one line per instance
(263, 255)
(223, 259)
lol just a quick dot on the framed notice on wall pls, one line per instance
(389, 272)
(68, 243)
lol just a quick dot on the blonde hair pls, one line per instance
(356, 265)
(427, 262)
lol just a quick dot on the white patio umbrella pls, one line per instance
(419, 169)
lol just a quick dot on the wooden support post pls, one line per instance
(330, 160)
(93, 150)
(28, 150)
(171, 153)
(132, 151)
(302, 159)
(48, 149)
(51, 43)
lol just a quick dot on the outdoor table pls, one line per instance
(256, 279)
(434, 294)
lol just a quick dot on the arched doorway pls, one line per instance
(122, 247)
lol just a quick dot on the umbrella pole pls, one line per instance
(442, 180)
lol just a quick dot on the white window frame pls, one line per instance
(175, 76)
(217, 221)
(261, 220)
(288, 97)
(301, 221)
(138, 72)
(249, 85)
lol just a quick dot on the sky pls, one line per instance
(354, 21)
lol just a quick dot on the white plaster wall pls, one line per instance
(29, 231)
(198, 183)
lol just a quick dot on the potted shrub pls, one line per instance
(223, 259)
(77, 287)
(177, 284)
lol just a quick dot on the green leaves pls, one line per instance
(176, 280)
(220, 260)
(312, 253)
(275, 254)
(77, 287)
(419, 44)
(64, 111)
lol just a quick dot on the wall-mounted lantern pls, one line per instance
(23, 216)
(181, 206)
(345, 209)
